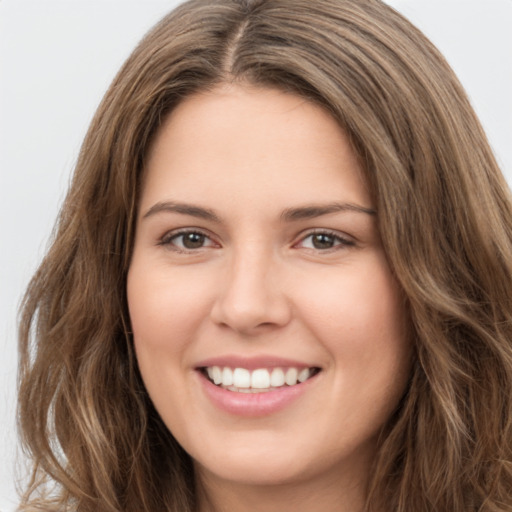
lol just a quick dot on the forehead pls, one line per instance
(238, 138)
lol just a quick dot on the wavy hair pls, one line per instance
(444, 212)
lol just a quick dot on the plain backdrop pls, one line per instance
(57, 58)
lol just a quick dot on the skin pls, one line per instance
(260, 283)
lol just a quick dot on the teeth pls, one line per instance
(241, 378)
(277, 378)
(291, 376)
(227, 377)
(217, 375)
(260, 380)
(304, 375)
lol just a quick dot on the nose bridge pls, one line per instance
(250, 295)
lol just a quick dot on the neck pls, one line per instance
(325, 494)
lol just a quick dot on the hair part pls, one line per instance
(444, 214)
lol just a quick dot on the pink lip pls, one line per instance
(253, 404)
(252, 363)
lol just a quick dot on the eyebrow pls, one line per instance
(184, 209)
(312, 211)
(288, 215)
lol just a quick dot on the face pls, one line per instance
(269, 330)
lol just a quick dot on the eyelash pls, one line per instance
(339, 241)
(168, 239)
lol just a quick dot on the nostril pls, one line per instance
(249, 316)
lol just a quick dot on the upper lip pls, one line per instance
(253, 363)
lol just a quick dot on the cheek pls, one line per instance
(166, 310)
(359, 305)
(166, 314)
(361, 320)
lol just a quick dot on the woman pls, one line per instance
(281, 278)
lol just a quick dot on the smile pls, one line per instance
(257, 386)
(260, 380)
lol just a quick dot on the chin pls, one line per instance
(257, 471)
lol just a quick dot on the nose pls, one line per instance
(252, 297)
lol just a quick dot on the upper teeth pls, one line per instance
(260, 379)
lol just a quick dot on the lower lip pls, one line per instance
(253, 404)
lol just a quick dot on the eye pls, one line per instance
(324, 240)
(187, 240)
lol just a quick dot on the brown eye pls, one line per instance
(192, 240)
(187, 240)
(323, 241)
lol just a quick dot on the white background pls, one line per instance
(56, 61)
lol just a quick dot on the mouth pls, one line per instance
(260, 380)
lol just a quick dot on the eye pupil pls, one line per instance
(323, 241)
(193, 240)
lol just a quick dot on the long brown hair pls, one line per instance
(445, 217)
